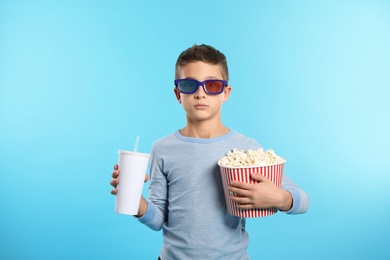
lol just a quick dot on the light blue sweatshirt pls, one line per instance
(186, 198)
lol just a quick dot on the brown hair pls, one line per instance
(205, 53)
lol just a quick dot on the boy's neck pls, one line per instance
(203, 130)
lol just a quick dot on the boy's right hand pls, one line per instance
(115, 179)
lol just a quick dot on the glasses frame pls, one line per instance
(203, 84)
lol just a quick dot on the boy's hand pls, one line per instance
(263, 194)
(115, 179)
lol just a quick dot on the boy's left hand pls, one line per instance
(263, 194)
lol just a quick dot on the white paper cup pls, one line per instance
(132, 167)
(272, 172)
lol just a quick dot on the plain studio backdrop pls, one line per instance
(79, 80)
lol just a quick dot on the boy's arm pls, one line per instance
(300, 199)
(153, 212)
(285, 201)
(264, 194)
(153, 216)
(143, 207)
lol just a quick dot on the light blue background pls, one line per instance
(81, 79)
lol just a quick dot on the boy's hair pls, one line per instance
(205, 53)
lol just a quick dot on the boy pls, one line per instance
(186, 197)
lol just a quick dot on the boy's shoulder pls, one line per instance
(176, 138)
(244, 141)
(165, 139)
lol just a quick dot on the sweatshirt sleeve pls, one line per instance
(151, 218)
(301, 200)
(156, 213)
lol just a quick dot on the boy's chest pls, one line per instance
(193, 169)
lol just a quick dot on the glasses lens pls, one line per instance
(214, 86)
(188, 86)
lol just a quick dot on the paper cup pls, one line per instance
(229, 174)
(132, 167)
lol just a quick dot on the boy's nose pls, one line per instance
(200, 93)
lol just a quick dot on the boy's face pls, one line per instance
(201, 106)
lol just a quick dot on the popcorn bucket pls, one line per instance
(272, 172)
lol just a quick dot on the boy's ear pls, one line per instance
(226, 93)
(177, 94)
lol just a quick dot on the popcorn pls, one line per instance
(239, 166)
(259, 157)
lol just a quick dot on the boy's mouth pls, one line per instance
(200, 106)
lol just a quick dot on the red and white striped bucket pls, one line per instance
(273, 172)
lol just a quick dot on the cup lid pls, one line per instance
(134, 153)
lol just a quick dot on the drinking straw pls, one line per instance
(136, 144)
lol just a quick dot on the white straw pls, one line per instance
(136, 144)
